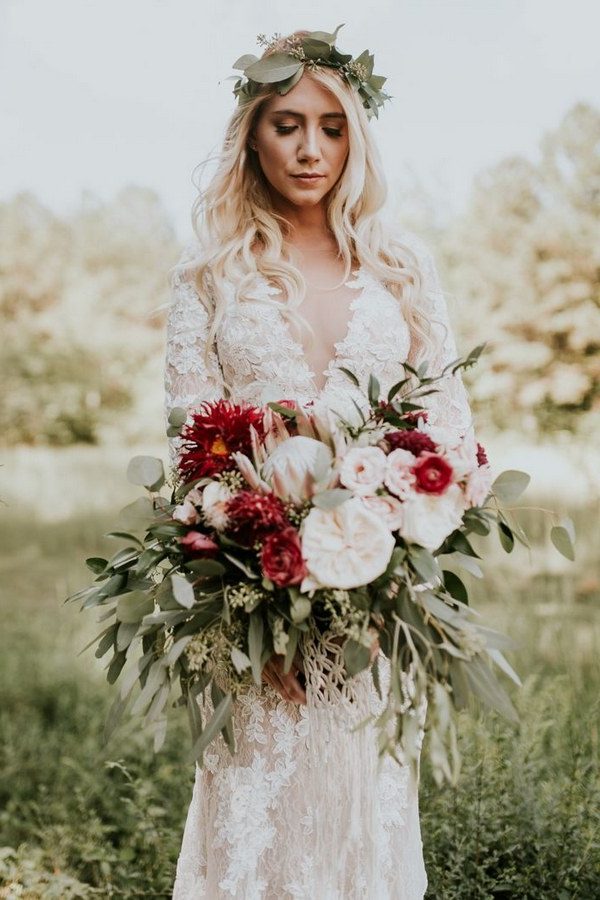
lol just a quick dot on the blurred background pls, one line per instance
(491, 146)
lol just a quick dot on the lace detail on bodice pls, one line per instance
(306, 808)
(257, 355)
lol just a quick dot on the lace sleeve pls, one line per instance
(188, 379)
(449, 408)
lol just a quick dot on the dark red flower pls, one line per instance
(281, 557)
(481, 455)
(252, 516)
(415, 441)
(197, 544)
(433, 473)
(220, 429)
(415, 415)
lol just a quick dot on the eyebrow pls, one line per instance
(299, 115)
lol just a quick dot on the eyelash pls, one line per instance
(287, 129)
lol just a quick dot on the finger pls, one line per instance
(298, 661)
(294, 688)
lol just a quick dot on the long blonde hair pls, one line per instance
(234, 215)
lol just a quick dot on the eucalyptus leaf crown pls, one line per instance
(285, 65)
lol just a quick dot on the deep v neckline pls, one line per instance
(357, 284)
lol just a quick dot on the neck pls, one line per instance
(306, 225)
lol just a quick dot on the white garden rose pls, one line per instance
(398, 476)
(429, 518)
(362, 469)
(344, 547)
(214, 498)
(387, 508)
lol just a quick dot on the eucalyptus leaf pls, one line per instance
(455, 586)
(425, 563)
(147, 471)
(290, 650)
(178, 415)
(331, 499)
(244, 61)
(563, 538)
(194, 717)
(132, 607)
(509, 485)
(183, 591)
(300, 609)
(503, 664)
(466, 562)
(356, 657)
(484, 684)
(272, 68)
(137, 514)
(125, 634)
(156, 677)
(349, 374)
(255, 645)
(221, 716)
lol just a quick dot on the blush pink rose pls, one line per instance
(197, 544)
(399, 477)
(478, 485)
(363, 469)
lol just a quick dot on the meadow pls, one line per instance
(79, 820)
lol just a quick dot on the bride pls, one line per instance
(290, 243)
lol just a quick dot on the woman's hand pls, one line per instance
(288, 684)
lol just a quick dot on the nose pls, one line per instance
(308, 148)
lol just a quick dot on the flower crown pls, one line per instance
(285, 65)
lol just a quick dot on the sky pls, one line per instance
(95, 96)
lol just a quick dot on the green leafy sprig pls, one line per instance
(288, 58)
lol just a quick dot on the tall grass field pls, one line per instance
(78, 819)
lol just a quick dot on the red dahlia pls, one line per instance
(221, 428)
(252, 516)
(433, 473)
(415, 441)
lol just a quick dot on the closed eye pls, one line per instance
(287, 129)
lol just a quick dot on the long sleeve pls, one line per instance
(449, 407)
(188, 379)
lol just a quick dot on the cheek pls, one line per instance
(341, 157)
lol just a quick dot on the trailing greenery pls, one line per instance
(522, 822)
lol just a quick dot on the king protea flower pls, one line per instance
(219, 429)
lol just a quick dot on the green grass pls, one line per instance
(80, 820)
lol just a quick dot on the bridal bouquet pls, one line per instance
(283, 521)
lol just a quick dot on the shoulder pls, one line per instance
(414, 242)
(187, 263)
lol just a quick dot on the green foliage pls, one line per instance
(522, 821)
(82, 340)
(524, 260)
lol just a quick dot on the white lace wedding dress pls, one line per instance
(305, 809)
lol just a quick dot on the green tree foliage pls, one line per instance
(82, 328)
(525, 261)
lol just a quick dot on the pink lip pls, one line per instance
(308, 177)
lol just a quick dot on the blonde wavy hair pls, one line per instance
(233, 217)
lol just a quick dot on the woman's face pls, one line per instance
(303, 132)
